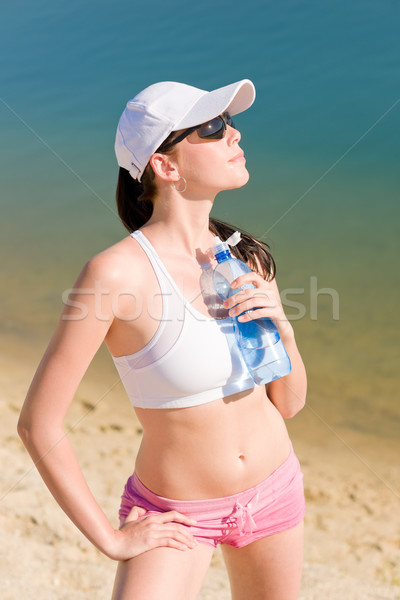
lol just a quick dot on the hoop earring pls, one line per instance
(184, 185)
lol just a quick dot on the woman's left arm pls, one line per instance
(288, 393)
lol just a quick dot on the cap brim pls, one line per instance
(233, 98)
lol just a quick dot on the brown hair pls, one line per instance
(135, 207)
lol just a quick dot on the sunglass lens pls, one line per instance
(213, 129)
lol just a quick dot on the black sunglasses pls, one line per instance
(212, 130)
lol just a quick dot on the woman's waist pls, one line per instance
(214, 461)
(280, 478)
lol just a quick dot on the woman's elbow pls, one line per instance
(25, 431)
(22, 427)
(37, 435)
(289, 402)
(289, 405)
(290, 411)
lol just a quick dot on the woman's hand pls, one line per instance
(138, 534)
(262, 301)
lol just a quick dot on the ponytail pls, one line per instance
(134, 205)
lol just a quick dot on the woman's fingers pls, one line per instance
(264, 295)
(135, 512)
(257, 300)
(251, 277)
(137, 535)
(174, 515)
(172, 531)
(173, 524)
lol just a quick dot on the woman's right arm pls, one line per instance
(81, 329)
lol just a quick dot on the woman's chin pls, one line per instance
(235, 180)
(241, 179)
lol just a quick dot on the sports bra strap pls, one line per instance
(173, 313)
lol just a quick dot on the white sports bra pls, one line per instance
(192, 359)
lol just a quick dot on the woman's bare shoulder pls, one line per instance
(113, 264)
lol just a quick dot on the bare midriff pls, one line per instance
(212, 450)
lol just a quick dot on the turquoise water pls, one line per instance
(322, 148)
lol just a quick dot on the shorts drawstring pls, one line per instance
(242, 515)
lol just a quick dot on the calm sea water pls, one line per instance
(322, 145)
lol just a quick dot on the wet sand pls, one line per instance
(352, 544)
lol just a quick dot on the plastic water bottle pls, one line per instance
(258, 340)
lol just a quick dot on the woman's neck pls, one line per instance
(180, 223)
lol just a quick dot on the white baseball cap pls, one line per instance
(168, 106)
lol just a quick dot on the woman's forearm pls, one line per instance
(55, 459)
(288, 394)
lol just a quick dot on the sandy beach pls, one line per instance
(321, 145)
(352, 545)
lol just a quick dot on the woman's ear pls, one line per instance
(164, 167)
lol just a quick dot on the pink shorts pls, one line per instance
(272, 506)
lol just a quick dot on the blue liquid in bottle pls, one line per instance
(258, 340)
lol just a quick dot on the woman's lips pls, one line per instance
(238, 157)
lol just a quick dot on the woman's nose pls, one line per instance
(233, 135)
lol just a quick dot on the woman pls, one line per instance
(215, 465)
